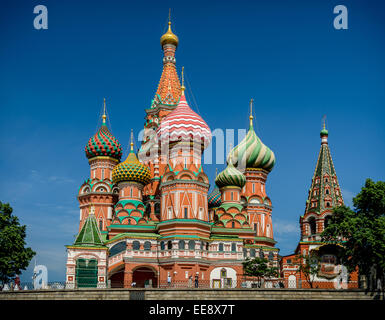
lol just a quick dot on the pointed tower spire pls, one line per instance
(169, 89)
(324, 192)
(89, 234)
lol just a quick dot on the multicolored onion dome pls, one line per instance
(131, 170)
(183, 124)
(252, 153)
(103, 143)
(231, 176)
(214, 198)
(169, 37)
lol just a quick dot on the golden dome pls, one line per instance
(169, 37)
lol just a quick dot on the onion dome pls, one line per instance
(131, 170)
(214, 198)
(324, 132)
(169, 37)
(231, 176)
(183, 124)
(103, 143)
(251, 152)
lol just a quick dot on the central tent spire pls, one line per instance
(169, 88)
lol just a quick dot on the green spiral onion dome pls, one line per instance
(103, 143)
(252, 153)
(131, 170)
(231, 176)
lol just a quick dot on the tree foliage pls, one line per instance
(14, 256)
(309, 266)
(361, 231)
(259, 268)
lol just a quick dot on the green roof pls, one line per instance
(89, 235)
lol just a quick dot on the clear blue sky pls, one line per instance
(284, 54)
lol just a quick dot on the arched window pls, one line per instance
(101, 225)
(271, 256)
(232, 224)
(169, 245)
(207, 246)
(233, 247)
(181, 245)
(162, 245)
(312, 224)
(148, 209)
(191, 245)
(147, 245)
(185, 213)
(136, 245)
(327, 191)
(201, 245)
(327, 221)
(261, 254)
(117, 248)
(220, 247)
(252, 253)
(157, 208)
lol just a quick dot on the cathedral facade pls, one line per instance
(151, 220)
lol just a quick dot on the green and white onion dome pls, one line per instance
(231, 176)
(252, 153)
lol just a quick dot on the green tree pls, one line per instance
(361, 232)
(259, 268)
(309, 266)
(14, 257)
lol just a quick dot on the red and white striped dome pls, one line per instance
(183, 124)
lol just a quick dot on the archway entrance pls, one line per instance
(117, 279)
(144, 277)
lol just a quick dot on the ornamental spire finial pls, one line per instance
(104, 111)
(182, 87)
(251, 112)
(132, 140)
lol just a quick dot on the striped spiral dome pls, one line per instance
(103, 143)
(252, 153)
(231, 176)
(214, 198)
(183, 124)
(131, 170)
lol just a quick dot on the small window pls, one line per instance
(220, 247)
(271, 256)
(253, 188)
(288, 261)
(147, 245)
(191, 245)
(181, 245)
(233, 224)
(101, 225)
(252, 253)
(162, 245)
(169, 245)
(102, 174)
(233, 247)
(185, 213)
(327, 191)
(261, 254)
(136, 245)
(231, 196)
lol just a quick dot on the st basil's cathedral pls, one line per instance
(150, 220)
